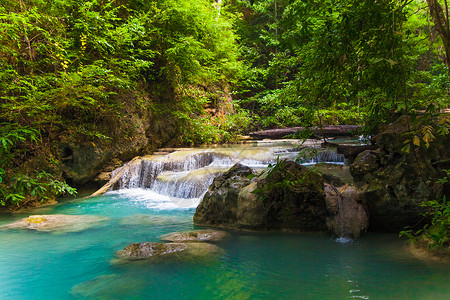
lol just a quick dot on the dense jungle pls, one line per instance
(87, 85)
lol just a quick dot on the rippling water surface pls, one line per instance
(44, 265)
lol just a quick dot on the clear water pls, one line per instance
(43, 265)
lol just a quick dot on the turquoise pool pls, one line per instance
(45, 265)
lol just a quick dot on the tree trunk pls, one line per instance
(329, 131)
(440, 19)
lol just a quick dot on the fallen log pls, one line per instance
(317, 132)
(116, 178)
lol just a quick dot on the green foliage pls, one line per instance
(283, 185)
(209, 129)
(66, 67)
(338, 62)
(64, 62)
(437, 231)
(280, 179)
(10, 136)
(18, 188)
(425, 129)
(40, 187)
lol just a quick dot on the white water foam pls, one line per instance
(344, 240)
(153, 200)
(167, 182)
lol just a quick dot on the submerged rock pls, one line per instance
(421, 250)
(57, 223)
(154, 251)
(111, 286)
(145, 220)
(195, 236)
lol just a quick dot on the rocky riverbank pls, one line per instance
(288, 197)
(391, 181)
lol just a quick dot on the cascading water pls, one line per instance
(348, 216)
(190, 184)
(187, 173)
(142, 174)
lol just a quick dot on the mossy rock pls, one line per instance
(36, 219)
(239, 199)
(195, 236)
(149, 249)
(397, 182)
(157, 252)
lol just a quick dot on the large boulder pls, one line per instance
(288, 197)
(396, 181)
(145, 250)
(219, 206)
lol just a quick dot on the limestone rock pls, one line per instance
(57, 223)
(103, 177)
(195, 236)
(232, 200)
(397, 182)
(349, 217)
(149, 249)
(365, 166)
(156, 251)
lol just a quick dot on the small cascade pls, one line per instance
(187, 173)
(190, 184)
(143, 173)
(314, 155)
(331, 156)
(348, 215)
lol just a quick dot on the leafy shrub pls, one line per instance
(18, 188)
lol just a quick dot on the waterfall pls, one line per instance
(185, 184)
(331, 156)
(144, 173)
(311, 156)
(187, 173)
(348, 215)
